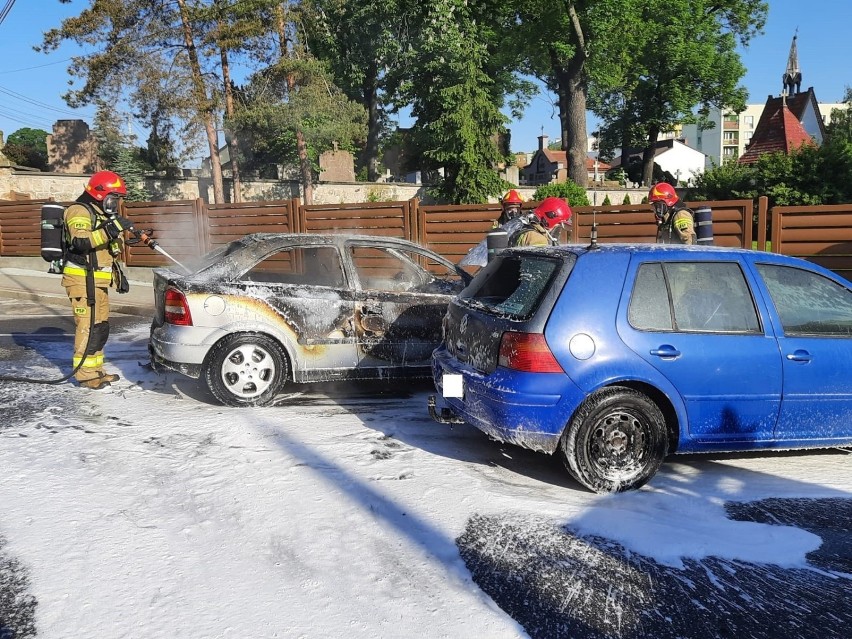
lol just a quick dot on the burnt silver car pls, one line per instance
(272, 309)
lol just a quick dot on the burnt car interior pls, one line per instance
(299, 265)
(382, 269)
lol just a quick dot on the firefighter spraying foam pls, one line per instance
(84, 242)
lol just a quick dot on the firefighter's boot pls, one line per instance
(95, 384)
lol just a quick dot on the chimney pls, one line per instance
(542, 142)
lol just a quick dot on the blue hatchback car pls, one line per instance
(614, 356)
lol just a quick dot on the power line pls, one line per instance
(43, 105)
(27, 123)
(6, 9)
(38, 66)
(13, 112)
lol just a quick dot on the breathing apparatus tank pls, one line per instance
(496, 240)
(704, 225)
(53, 235)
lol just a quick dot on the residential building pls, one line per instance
(732, 132)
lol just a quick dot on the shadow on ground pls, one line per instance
(17, 608)
(556, 583)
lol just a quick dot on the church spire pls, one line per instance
(792, 76)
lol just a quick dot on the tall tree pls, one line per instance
(570, 44)
(682, 62)
(204, 100)
(457, 116)
(107, 131)
(362, 42)
(293, 54)
(147, 53)
(292, 109)
(232, 30)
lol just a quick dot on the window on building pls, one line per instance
(748, 120)
(732, 117)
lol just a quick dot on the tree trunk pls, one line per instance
(572, 92)
(231, 137)
(648, 157)
(205, 106)
(301, 144)
(371, 150)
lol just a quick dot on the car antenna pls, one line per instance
(593, 234)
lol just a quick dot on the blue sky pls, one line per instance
(31, 83)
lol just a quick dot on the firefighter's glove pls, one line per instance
(114, 226)
(119, 280)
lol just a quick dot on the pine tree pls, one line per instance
(133, 172)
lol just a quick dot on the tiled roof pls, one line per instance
(777, 130)
(561, 157)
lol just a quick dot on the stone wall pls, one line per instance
(63, 187)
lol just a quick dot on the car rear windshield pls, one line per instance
(512, 286)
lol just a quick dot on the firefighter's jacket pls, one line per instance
(83, 237)
(531, 234)
(678, 227)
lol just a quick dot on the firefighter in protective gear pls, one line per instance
(675, 221)
(511, 207)
(94, 240)
(552, 214)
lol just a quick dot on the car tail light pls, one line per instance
(527, 352)
(176, 308)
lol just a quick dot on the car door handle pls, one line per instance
(799, 356)
(665, 351)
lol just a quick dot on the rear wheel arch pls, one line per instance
(666, 408)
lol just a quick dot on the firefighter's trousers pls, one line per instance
(93, 359)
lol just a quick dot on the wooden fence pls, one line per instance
(821, 234)
(188, 228)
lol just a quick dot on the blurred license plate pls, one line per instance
(452, 385)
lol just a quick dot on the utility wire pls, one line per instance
(6, 9)
(44, 105)
(38, 66)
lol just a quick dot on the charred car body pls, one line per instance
(269, 309)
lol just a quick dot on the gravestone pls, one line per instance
(337, 166)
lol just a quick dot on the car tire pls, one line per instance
(246, 369)
(616, 440)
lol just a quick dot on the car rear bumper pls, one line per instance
(526, 409)
(160, 364)
(182, 348)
